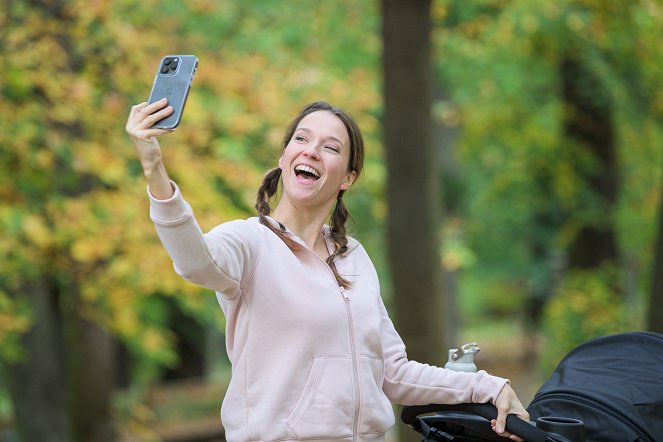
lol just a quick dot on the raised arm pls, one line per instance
(143, 136)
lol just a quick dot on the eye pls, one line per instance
(298, 138)
(334, 148)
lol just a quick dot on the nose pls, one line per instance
(312, 151)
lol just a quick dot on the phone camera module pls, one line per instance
(169, 65)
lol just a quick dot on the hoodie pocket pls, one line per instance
(325, 406)
(376, 413)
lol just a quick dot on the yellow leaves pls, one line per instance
(222, 77)
(243, 123)
(587, 305)
(575, 22)
(84, 216)
(88, 250)
(92, 157)
(12, 324)
(89, 10)
(37, 232)
(14, 321)
(153, 341)
(203, 6)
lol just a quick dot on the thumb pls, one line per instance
(500, 422)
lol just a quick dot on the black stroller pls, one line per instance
(608, 389)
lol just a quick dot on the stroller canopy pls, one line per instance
(614, 384)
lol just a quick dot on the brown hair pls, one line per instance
(340, 213)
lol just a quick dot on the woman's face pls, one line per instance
(315, 161)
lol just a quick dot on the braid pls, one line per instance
(338, 233)
(266, 191)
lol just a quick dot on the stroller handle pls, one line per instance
(514, 424)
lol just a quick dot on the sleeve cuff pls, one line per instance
(489, 388)
(171, 210)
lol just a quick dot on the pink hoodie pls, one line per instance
(310, 360)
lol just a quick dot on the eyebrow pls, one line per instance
(307, 130)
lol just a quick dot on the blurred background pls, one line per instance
(511, 194)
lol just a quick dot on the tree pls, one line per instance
(588, 126)
(413, 221)
(412, 192)
(81, 265)
(66, 355)
(539, 180)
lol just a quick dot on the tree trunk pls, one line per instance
(92, 377)
(588, 122)
(412, 190)
(37, 384)
(414, 221)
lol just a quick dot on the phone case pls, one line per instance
(173, 81)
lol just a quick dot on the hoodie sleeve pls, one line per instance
(221, 260)
(413, 383)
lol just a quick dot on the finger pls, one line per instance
(158, 116)
(500, 422)
(144, 110)
(153, 107)
(148, 121)
(493, 425)
(135, 108)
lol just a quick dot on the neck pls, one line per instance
(306, 224)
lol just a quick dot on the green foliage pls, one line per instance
(587, 305)
(524, 198)
(73, 206)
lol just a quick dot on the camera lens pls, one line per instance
(167, 61)
(164, 69)
(173, 65)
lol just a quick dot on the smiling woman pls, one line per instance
(322, 155)
(314, 353)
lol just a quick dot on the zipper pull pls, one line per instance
(347, 298)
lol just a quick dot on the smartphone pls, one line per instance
(173, 81)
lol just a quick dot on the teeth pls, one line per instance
(308, 169)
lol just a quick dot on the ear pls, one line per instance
(281, 162)
(349, 180)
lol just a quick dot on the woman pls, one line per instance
(314, 354)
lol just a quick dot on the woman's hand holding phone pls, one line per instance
(143, 136)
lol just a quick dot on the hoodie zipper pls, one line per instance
(355, 369)
(353, 346)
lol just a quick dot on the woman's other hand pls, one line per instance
(507, 403)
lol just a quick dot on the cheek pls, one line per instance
(285, 155)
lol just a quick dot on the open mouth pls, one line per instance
(306, 173)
